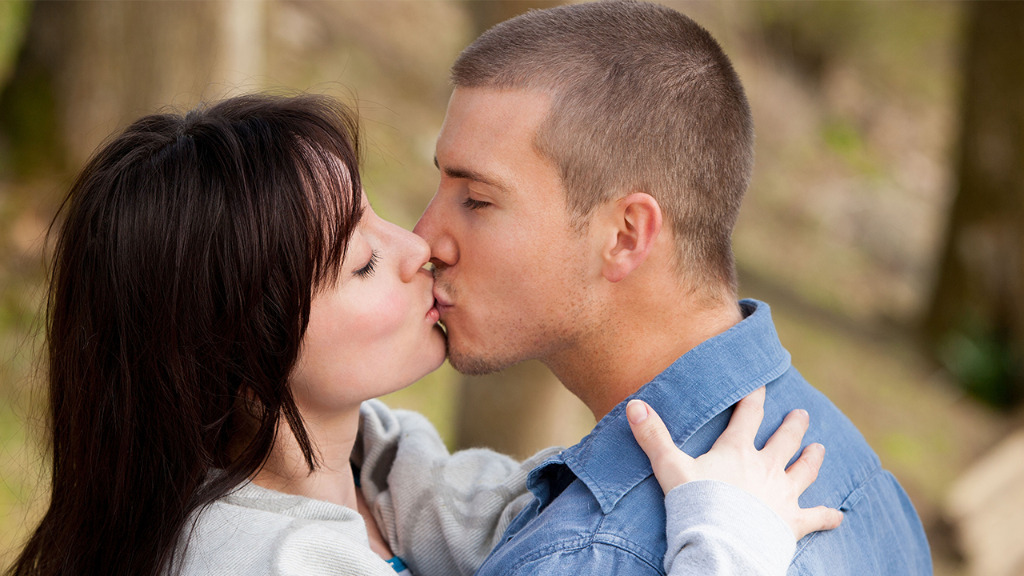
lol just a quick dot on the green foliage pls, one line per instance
(901, 43)
(985, 365)
(844, 139)
(29, 123)
(22, 471)
(13, 20)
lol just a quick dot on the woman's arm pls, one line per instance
(445, 511)
(441, 512)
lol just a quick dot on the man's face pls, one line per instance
(510, 270)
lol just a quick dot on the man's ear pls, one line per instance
(635, 225)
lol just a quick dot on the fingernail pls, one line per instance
(636, 411)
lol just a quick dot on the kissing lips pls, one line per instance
(441, 302)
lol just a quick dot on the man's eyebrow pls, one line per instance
(467, 174)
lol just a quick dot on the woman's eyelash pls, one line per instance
(473, 204)
(367, 271)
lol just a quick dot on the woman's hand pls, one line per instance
(735, 460)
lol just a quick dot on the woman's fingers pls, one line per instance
(814, 520)
(735, 460)
(744, 422)
(669, 463)
(802, 474)
(785, 442)
(804, 471)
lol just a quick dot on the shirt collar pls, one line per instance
(700, 384)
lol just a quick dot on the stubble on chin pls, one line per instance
(476, 362)
(464, 362)
(461, 357)
(473, 364)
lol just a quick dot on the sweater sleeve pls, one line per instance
(320, 549)
(714, 528)
(442, 513)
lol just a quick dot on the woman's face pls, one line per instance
(375, 330)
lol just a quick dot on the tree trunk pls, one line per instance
(88, 68)
(519, 411)
(976, 319)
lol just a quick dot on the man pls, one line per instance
(593, 160)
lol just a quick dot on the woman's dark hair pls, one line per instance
(190, 249)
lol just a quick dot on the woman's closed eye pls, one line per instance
(367, 270)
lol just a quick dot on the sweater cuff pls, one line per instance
(726, 530)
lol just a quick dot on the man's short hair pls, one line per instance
(643, 99)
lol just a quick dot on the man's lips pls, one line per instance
(441, 301)
(441, 309)
(441, 304)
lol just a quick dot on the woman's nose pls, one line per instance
(416, 256)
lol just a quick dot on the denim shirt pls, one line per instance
(598, 510)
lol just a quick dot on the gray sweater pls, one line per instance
(442, 513)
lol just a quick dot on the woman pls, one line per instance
(223, 301)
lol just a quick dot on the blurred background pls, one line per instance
(883, 224)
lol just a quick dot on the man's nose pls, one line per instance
(433, 228)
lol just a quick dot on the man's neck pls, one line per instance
(634, 346)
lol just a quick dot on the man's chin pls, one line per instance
(474, 364)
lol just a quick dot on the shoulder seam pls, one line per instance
(847, 504)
